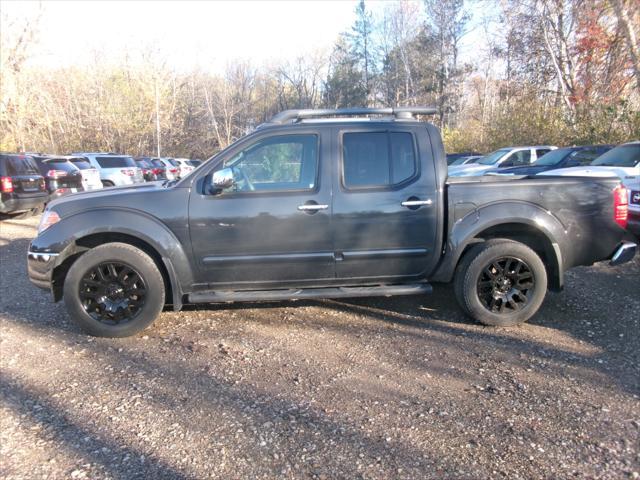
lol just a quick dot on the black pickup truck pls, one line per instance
(325, 204)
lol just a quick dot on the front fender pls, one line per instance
(469, 228)
(170, 243)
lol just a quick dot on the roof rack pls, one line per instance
(400, 113)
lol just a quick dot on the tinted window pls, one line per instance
(377, 159)
(172, 162)
(115, 162)
(277, 163)
(542, 151)
(157, 163)
(143, 164)
(20, 166)
(554, 157)
(58, 165)
(585, 156)
(81, 164)
(621, 156)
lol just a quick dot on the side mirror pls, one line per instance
(220, 180)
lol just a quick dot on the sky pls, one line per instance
(188, 34)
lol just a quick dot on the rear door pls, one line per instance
(384, 206)
(273, 227)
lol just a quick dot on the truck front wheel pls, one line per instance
(114, 290)
(500, 282)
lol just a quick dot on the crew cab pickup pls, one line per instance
(325, 204)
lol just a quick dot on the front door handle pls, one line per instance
(312, 207)
(416, 203)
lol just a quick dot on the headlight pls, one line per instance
(49, 217)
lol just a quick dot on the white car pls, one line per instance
(90, 175)
(502, 158)
(185, 166)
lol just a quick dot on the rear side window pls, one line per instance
(15, 165)
(377, 159)
(82, 164)
(115, 162)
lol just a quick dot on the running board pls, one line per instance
(216, 296)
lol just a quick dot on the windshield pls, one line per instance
(459, 161)
(621, 156)
(115, 162)
(493, 157)
(553, 157)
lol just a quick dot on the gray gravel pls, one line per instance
(380, 388)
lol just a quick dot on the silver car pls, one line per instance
(90, 174)
(115, 170)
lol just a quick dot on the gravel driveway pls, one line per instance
(381, 388)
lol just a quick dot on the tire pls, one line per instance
(97, 302)
(107, 183)
(489, 289)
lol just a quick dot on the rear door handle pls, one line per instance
(416, 203)
(312, 207)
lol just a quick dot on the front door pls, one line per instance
(385, 205)
(273, 225)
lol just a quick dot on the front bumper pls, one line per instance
(624, 253)
(40, 268)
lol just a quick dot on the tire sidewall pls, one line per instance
(121, 253)
(470, 292)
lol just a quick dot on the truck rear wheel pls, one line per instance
(501, 282)
(114, 290)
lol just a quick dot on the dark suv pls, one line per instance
(22, 188)
(60, 175)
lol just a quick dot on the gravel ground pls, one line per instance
(381, 388)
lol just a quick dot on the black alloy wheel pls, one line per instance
(112, 293)
(505, 284)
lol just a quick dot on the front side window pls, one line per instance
(287, 162)
(517, 159)
(377, 159)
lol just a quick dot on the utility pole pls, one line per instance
(157, 116)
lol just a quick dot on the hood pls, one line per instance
(595, 171)
(524, 170)
(106, 194)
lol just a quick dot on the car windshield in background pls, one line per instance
(493, 158)
(621, 156)
(553, 157)
(21, 166)
(82, 164)
(59, 165)
(460, 161)
(115, 162)
(173, 162)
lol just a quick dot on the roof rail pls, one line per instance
(401, 113)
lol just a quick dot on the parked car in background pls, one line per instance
(159, 168)
(114, 169)
(504, 157)
(633, 224)
(185, 167)
(22, 187)
(90, 174)
(148, 170)
(61, 177)
(172, 168)
(466, 160)
(556, 159)
(622, 161)
(452, 157)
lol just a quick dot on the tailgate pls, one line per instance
(27, 184)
